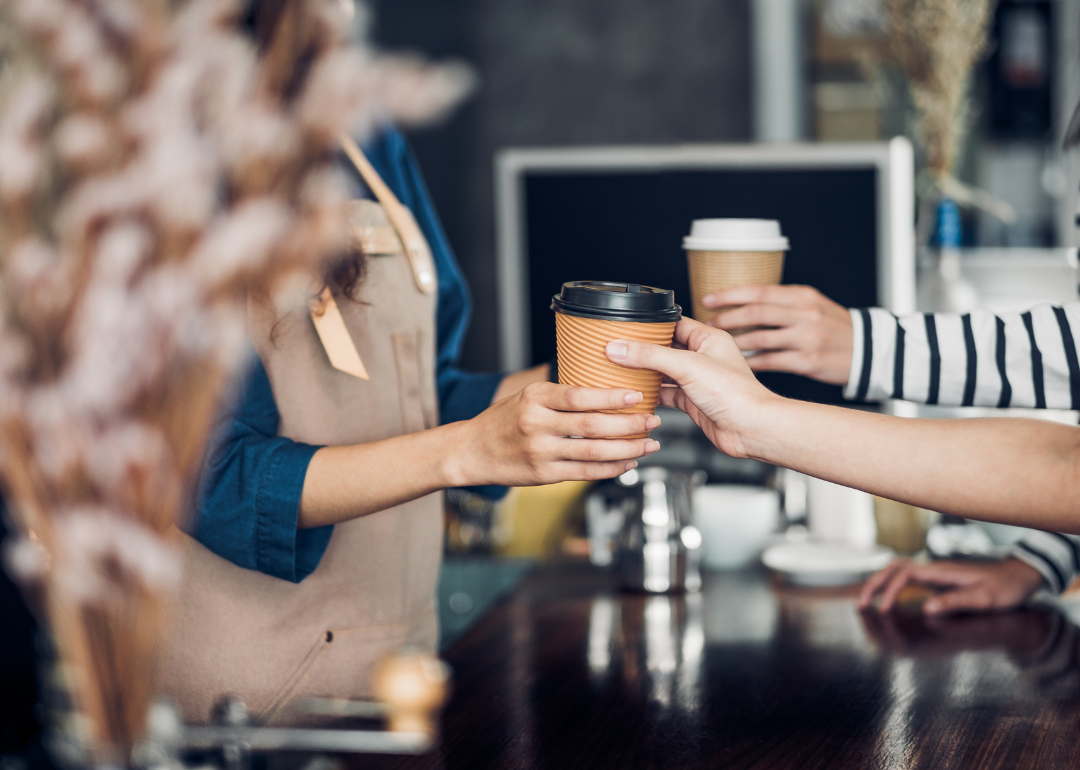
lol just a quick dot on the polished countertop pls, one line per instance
(751, 673)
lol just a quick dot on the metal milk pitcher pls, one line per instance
(641, 526)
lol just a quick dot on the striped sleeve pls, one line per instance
(1021, 359)
(1054, 556)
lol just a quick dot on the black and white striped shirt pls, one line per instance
(1022, 359)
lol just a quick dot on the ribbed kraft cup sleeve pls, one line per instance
(712, 271)
(582, 347)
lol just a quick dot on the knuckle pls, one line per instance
(527, 421)
(574, 398)
(531, 392)
(604, 471)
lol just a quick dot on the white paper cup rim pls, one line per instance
(735, 235)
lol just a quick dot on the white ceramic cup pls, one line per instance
(735, 522)
(838, 514)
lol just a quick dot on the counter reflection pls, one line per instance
(665, 647)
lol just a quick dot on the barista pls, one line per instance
(318, 541)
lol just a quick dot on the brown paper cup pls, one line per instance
(716, 270)
(583, 360)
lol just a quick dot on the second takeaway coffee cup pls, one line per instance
(725, 253)
(589, 314)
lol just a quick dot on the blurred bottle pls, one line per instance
(944, 289)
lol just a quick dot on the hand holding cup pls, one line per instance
(588, 314)
(793, 329)
(714, 384)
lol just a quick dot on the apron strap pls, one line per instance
(416, 246)
(325, 314)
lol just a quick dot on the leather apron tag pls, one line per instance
(339, 345)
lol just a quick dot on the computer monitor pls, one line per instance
(619, 214)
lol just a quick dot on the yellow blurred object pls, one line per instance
(534, 520)
(902, 527)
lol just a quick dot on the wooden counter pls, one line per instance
(568, 673)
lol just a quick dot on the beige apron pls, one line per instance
(271, 642)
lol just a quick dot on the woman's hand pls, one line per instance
(811, 334)
(715, 385)
(524, 439)
(970, 585)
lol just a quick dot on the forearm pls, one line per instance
(344, 482)
(521, 440)
(1020, 471)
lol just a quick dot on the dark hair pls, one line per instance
(346, 273)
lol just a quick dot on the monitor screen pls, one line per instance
(617, 225)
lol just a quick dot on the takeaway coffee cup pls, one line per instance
(725, 253)
(589, 314)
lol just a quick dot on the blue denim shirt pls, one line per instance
(249, 493)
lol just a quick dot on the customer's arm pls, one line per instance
(1055, 556)
(1016, 471)
(1023, 359)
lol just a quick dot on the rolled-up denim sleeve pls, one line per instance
(463, 395)
(250, 487)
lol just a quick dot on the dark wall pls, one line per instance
(565, 72)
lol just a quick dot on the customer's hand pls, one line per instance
(715, 385)
(810, 334)
(970, 586)
(524, 439)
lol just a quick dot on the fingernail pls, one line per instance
(633, 398)
(932, 607)
(708, 300)
(631, 464)
(617, 349)
(652, 445)
(652, 421)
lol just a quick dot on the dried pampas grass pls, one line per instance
(937, 43)
(155, 167)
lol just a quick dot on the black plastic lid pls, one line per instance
(617, 302)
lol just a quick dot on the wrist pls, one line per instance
(759, 424)
(455, 468)
(1024, 575)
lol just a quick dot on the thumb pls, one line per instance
(676, 364)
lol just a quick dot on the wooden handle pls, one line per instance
(413, 686)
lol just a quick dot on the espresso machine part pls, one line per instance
(410, 686)
(641, 525)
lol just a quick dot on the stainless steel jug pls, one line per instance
(641, 526)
